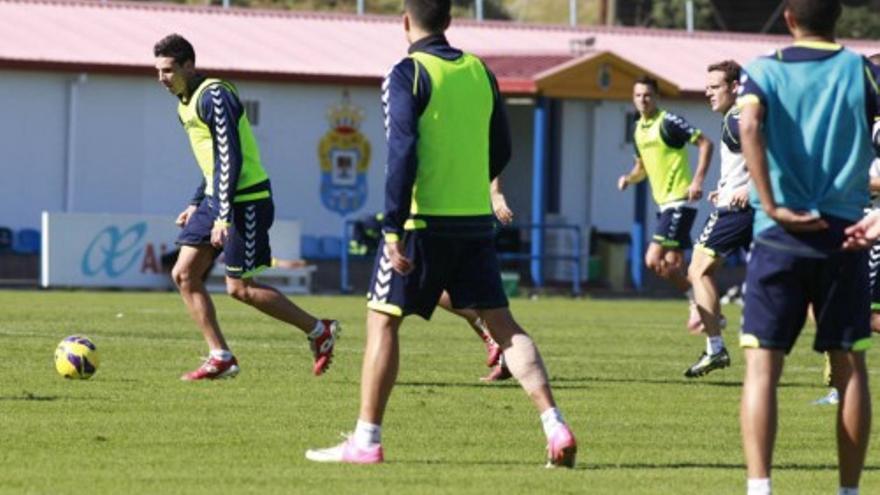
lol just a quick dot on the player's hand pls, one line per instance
(863, 233)
(695, 191)
(713, 197)
(218, 235)
(622, 183)
(797, 221)
(400, 263)
(740, 197)
(185, 215)
(502, 212)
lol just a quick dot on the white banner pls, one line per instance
(98, 250)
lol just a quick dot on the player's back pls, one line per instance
(816, 127)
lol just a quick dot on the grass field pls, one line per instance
(615, 365)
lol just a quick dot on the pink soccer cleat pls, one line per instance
(213, 369)
(322, 346)
(347, 452)
(561, 448)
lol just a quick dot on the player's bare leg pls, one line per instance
(524, 361)
(188, 271)
(758, 409)
(322, 334)
(850, 377)
(493, 351)
(700, 272)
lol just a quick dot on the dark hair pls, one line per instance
(875, 59)
(730, 68)
(431, 15)
(176, 47)
(648, 81)
(816, 16)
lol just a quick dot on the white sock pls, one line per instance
(221, 354)
(714, 345)
(317, 331)
(550, 420)
(848, 490)
(759, 486)
(367, 434)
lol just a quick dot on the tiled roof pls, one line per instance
(118, 36)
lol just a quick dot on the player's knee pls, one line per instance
(239, 292)
(183, 277)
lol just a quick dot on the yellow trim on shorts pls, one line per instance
(749, 341)
(386, 308)
(711, 252)
(256, 271)
(664, 242)
(875, 306)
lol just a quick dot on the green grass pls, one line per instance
(615, 365)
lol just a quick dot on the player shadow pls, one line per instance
(712, 465)
(476, 384)
(30, 396)
(672, 380)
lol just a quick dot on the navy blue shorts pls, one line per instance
(467, 268)
(674, 227)
(786, 274)
(246, 251)
(726, 231)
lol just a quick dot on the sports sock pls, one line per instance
(221, 354)
(759, 486)
(550, 420)
(848, 490)
(317, 331)
(714, 345)
(367, 434)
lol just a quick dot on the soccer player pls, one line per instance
(729, 228)
(231, 211)
(447, 137)
(805, 123)
(661, 140)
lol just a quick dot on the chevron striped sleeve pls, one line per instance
(221, 110)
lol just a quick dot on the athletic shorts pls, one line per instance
(674, 227)
(784, 276)
(465, 267)
(246, 251)
(873, 272)
(726, 231)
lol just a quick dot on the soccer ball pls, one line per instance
(76, 357)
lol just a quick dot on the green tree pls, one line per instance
(672, 14)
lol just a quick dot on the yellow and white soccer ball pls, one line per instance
(76, 357)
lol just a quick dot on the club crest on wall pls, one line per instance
(344, 154)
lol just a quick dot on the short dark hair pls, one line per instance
(648, 81)
(176, 47)
(730, 68)
(816, 16)
(431, 15)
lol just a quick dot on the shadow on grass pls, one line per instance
(481, 385)
(715, 465)
(30, 396)
(665, 381)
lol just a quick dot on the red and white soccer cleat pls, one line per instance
(493, 350)
(561, 448)
(213, 369)
(347, 452)
(322, 346)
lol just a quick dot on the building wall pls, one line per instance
(130, 154)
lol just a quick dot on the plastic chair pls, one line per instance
(27, 241)
(331, 247)
(310, 247)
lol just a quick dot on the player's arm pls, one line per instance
(404, 97)
(755, 153)
(197, 198)
(499, 203)
(499, 132)
(221, 110)
(635, 175)
(677, 132)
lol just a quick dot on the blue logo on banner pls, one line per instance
(346, 197)
(113, 251)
